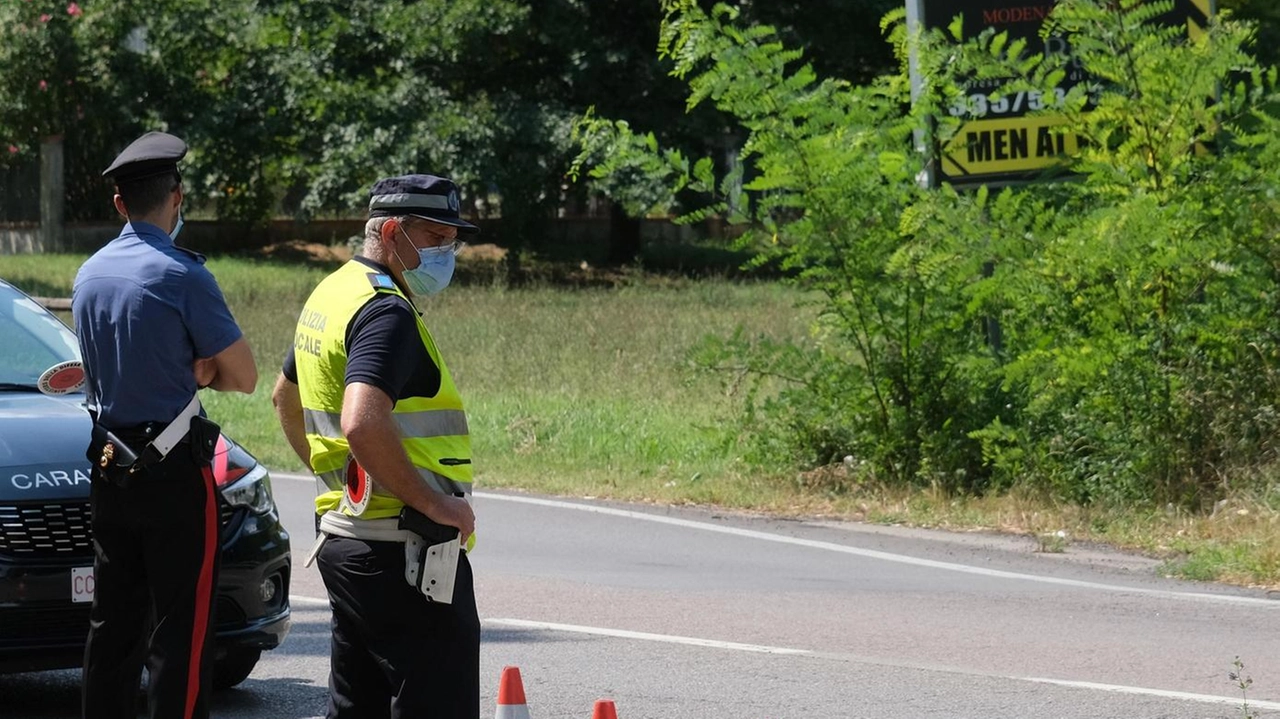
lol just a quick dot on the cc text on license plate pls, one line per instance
(81, 584)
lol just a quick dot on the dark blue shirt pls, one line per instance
(144, 311)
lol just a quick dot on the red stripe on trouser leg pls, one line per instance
(204, 591)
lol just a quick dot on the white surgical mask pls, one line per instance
(173, 234)
(434, 270)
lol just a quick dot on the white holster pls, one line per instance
(432, 568)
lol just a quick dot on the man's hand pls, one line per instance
(206, 370)
(375, 441)
(454, 512)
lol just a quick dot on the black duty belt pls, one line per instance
(117, 457)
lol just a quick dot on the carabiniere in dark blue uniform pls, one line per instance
(144, 310)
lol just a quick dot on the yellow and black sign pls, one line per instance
(997, 142)
(1198, 17)
(1006, 146)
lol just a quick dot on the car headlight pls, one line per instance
(243, 480)
(253, 491)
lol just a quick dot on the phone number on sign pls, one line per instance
(1013, 103)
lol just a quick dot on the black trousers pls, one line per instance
(394, 655)
(156, 569)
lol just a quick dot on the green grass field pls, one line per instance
(589, 392)
(580, 391)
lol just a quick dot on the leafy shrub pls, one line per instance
(1109, 339)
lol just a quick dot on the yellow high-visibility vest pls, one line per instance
(433, 430)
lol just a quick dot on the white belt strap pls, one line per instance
(372, 530)
(177, 429)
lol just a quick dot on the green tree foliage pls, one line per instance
(840, 37)
(98, 73)
(1265, 14)
(43, 59)
(1135, 306)
(896, 354)
(383, 87)
(1145, 321)
(52, 55)
(294, 108)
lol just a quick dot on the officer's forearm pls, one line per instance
(375, 441)
(288, 404)
(237, 371)
(376, 445)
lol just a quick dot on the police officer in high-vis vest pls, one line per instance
(367, 402)
(153, 327)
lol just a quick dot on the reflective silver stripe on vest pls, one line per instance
(335, 480)
(325, 424)
(444, 484)
(432, 423)
(429, 423)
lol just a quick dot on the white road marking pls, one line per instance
(308, 602)
(1163, 693)
(646, 636)
(313, 602)
(868, 553)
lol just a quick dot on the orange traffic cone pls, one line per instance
(511, 703)
(604, 710)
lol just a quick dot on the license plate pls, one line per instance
(81, 584)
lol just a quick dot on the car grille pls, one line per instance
(225, 514)
(57, 530)
(20, 625)
(30, 531)
(44, 625)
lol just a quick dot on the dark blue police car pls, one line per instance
(46, 546)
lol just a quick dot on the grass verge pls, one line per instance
(588, 392)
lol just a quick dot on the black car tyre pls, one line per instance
(234, 667)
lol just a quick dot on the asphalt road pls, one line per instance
(676, 613)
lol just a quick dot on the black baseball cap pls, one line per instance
(426, 196)
(155, 153)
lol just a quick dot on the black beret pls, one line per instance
(155, 153)
(426, 196)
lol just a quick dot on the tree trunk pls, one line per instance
(53, 194)
(624, 236)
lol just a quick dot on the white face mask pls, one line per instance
(173, 234)
(434, 270)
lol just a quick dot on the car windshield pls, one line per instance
(33, 340)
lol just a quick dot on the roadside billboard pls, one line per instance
(998, 143)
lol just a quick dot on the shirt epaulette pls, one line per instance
(382, 282)
(194, 255)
